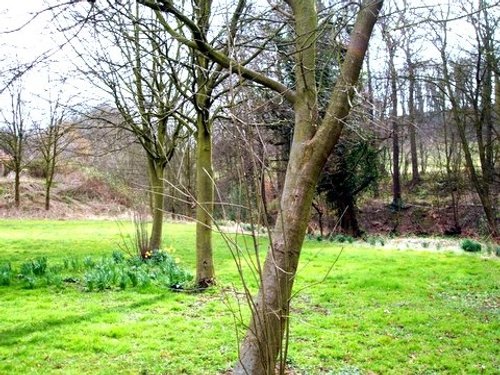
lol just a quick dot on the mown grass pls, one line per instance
(377, 311)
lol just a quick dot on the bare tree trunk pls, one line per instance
(17, 185)
(17, 159)
(51, 167)
(205, 205)
(481, 187)
(204, 166)
(47, 197)
(450, 146)
(319, 211)
(311, 147)
(408, 40)
(157, 199)
(396, 173)
(480, 183)
(49, 178)
(415, 175)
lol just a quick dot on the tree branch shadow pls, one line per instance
(12, 336)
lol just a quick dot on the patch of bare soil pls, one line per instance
(421, 220)
(288, 371)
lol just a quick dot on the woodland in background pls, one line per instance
(439, 116)
(255, 114)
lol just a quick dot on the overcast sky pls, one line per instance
(37, 37)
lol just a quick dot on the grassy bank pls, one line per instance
(384, 312)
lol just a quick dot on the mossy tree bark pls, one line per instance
(204, 169)
(207, 77)
(156, 182)
(313, 141)
(205, 203)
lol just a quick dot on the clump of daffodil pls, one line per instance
(148, 254)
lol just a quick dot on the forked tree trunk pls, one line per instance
(205, 83)
(313, 142)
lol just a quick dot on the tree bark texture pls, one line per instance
(396, 169)
(480, 182)
(156, 173)
(313, 142)
(205, 205)
(17, 185)
(415, 175)
(53, 133)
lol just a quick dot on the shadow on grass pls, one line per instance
(12, 336)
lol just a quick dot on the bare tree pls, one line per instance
(391, 45)
(13, 134)
(130, 60)
(411, 66)
(467, 84)
(314, 139)
(207, 77)
(52, 139)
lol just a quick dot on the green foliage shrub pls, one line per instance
(39, 266)
(88, 262)
(100, 275)
(160, 269)
(470, 246)
(175, 275)
(30, 282)
(115, 271)
(118, 257)
(36, 267)
(5, 274)
(31, 272)
(71, 263)
(341, 238)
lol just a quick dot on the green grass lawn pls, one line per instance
(379, 311)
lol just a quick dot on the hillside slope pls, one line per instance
(73, 196)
